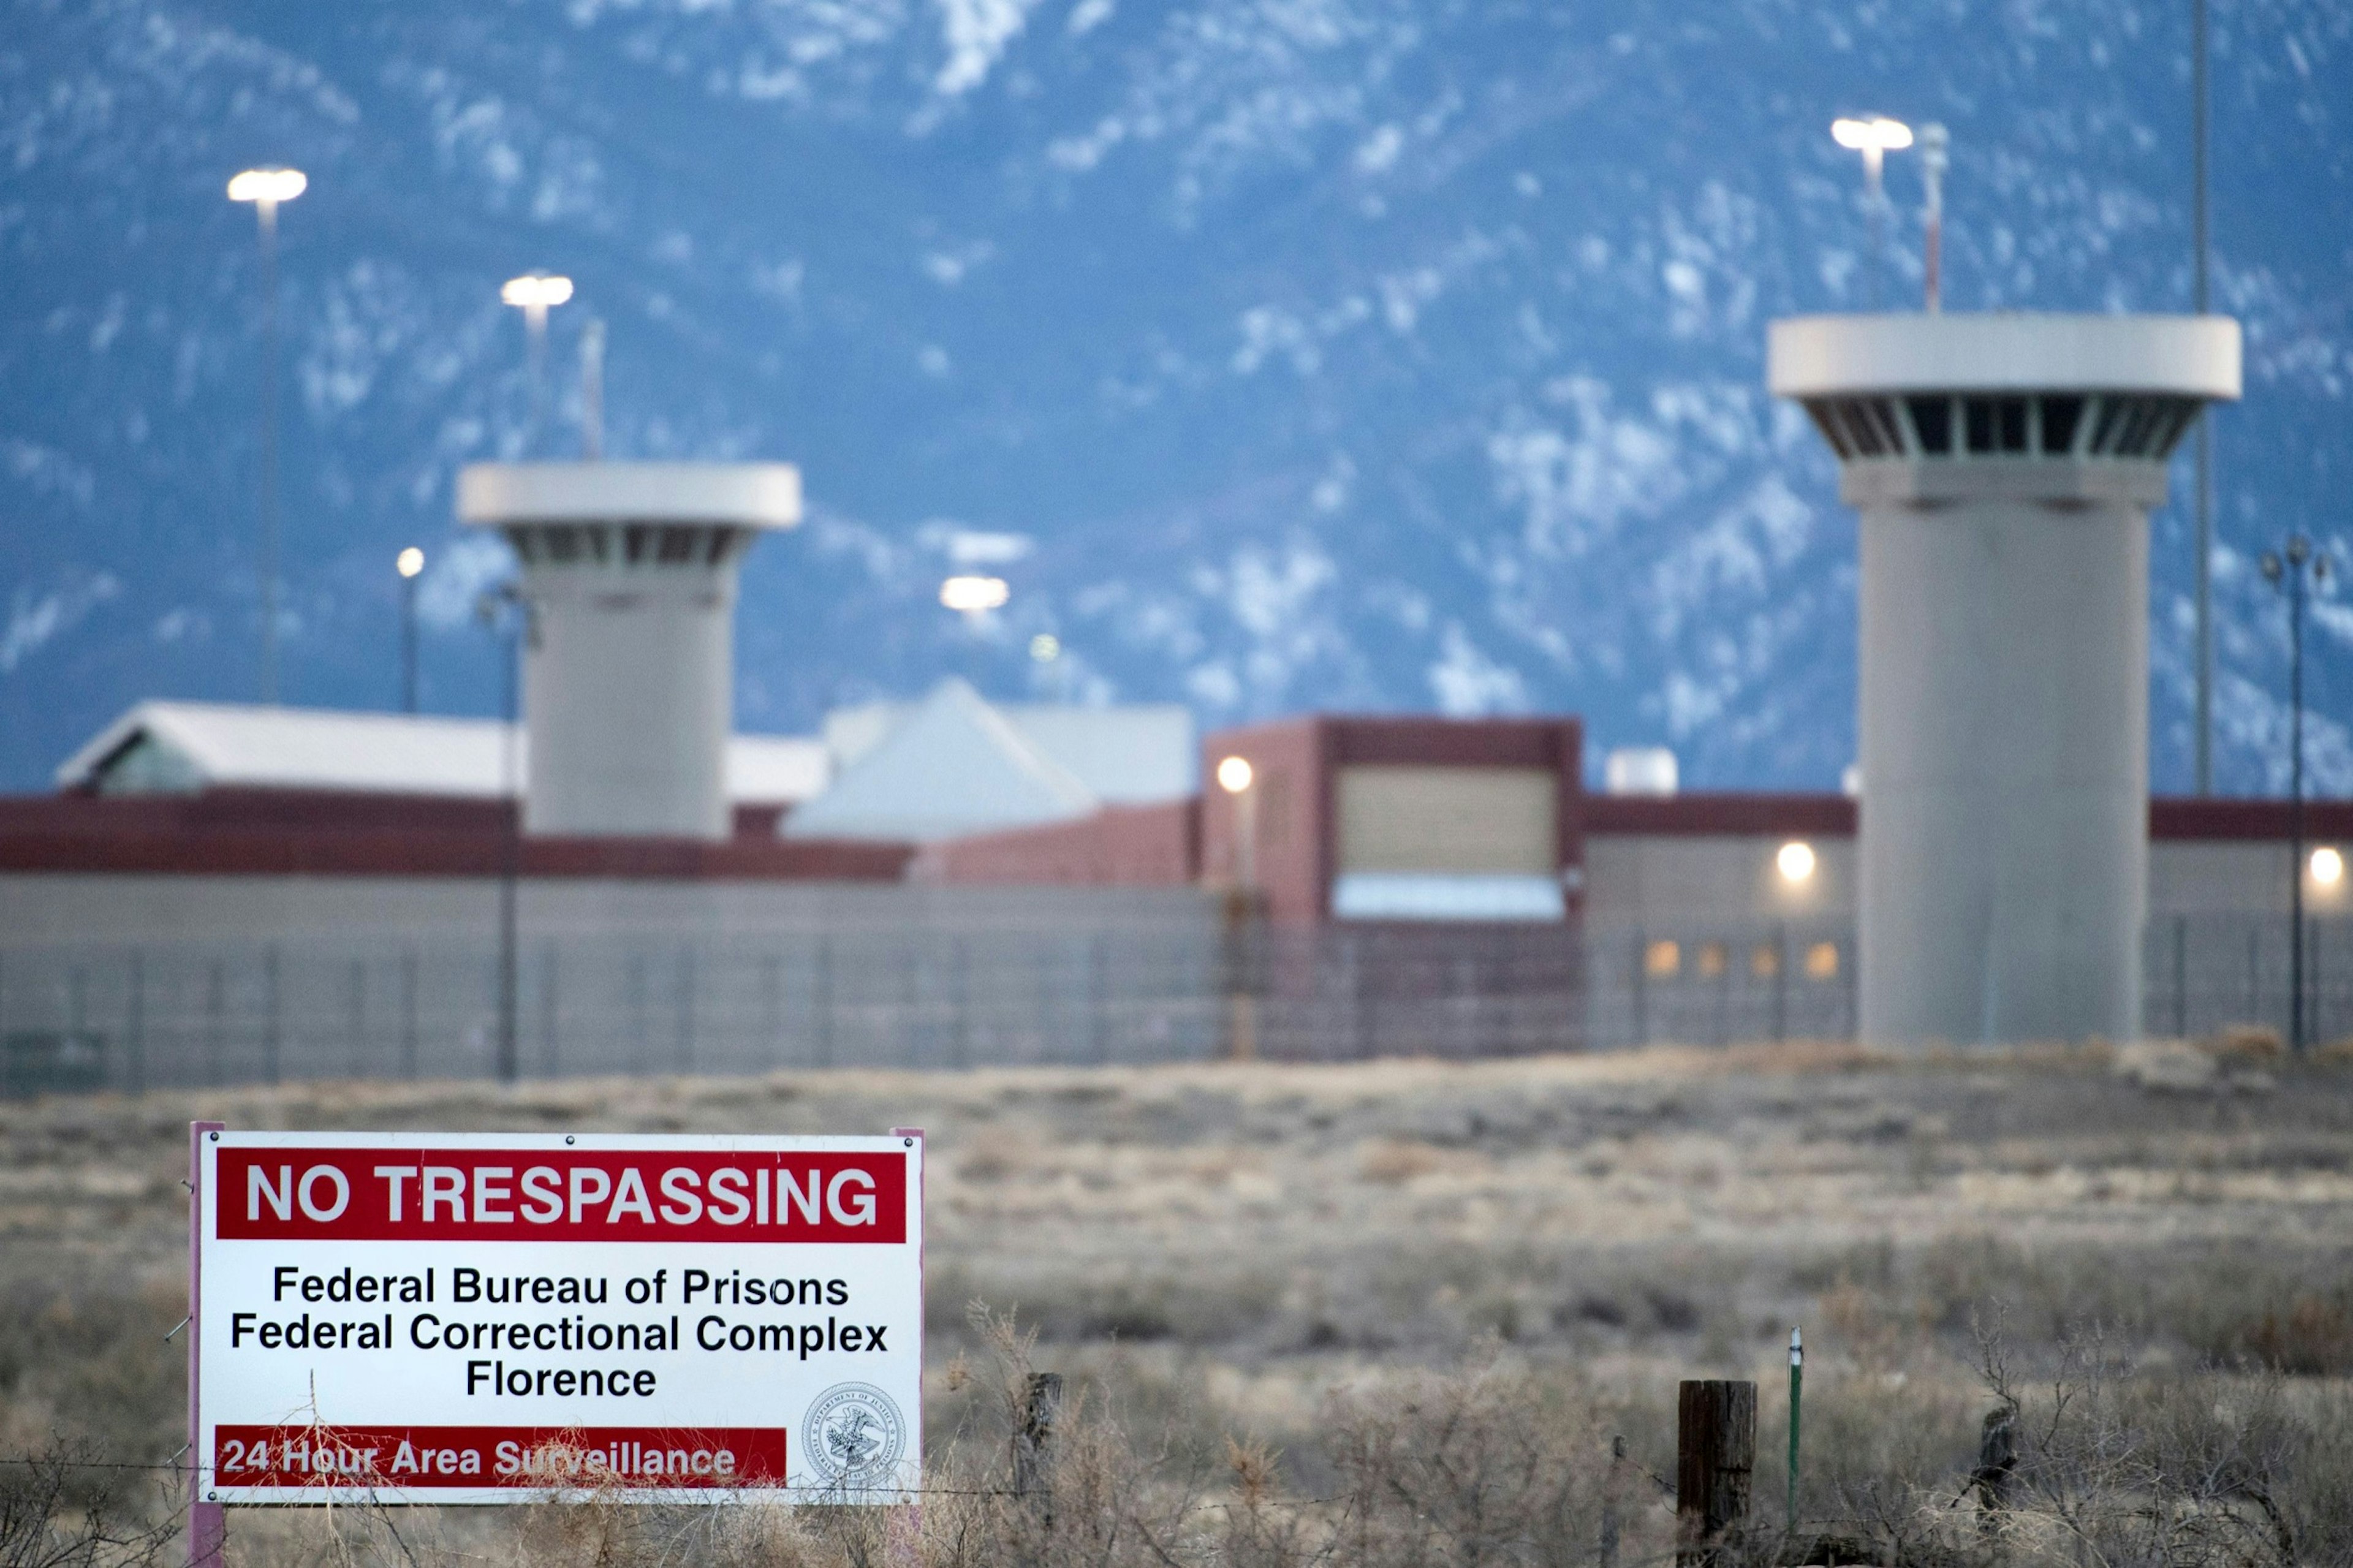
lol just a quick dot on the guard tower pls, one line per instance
(629, 582)
(2004, 466)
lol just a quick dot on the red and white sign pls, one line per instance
(488, 1317)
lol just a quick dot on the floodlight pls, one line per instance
(535, 290)
(1795, 861)
(269, 186)
(1234, 775)
(972, 594)
(1876, 134)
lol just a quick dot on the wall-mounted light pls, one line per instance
(1795, 861)
(2327, 867)
(1234, 775)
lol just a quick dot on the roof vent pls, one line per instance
(1639, 769)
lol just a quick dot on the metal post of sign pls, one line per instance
(207, 1524)
(1797, 1388)
(550, 998)
(908, 1539)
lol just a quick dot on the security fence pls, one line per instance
(1713, 985)
(1751, 982)
(2202, 973)
(129, 1017)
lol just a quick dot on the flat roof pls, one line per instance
(245, 745)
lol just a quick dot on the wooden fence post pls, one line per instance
(1612, 1497)
(1715, 1455)
(1031, 1479)
(1997, 1458)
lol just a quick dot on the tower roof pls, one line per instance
(734, 495)
(1831, 356)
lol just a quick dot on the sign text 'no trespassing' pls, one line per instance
(512, 1194)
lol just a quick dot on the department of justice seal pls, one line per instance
(853, 1435)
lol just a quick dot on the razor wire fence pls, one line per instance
(83, 1016)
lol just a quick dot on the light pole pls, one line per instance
(2203, 494)
(1934, 158)
(507, 614)
(410, 565)
(266, 188)
(1874, 137)
(1237, 778)
(592, 390)
(2289, 569)
(534, 293)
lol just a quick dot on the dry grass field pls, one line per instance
(1397, 1311)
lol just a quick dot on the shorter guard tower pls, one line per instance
(630, 573)
(2004, 466)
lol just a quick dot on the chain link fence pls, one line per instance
(134, 1017)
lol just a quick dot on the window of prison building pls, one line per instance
(1662, 960)
(1879, 413)
(2009, 419)
(2131, 436)
(1818, 409)
(2162, 423)
(1857, 426)
(1713, 961)
(1765, 961)
(1932, 422)
(1822, 961)
(2107, 422)
(1994, 424)
(2060, 419)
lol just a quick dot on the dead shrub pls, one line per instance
(1393, 1162)
(2247, 1045)
(2312, 1335)
(1494, 1466)
(67, 1508)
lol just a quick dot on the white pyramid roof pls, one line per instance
(1133, 754)
(951, 766)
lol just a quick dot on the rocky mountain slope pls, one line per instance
(1365, 354)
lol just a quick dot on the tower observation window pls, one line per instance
(1977, 419)
(1859, 427)
(1959, 424)
(1932, 420)
(2009, 414)
(2061, 416)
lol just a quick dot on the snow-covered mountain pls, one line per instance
(1282, 353)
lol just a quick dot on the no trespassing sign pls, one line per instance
(491, 1316)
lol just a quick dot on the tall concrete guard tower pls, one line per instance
(2004, 466)
(629, 576)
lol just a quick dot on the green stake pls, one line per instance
(1797, 1383)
